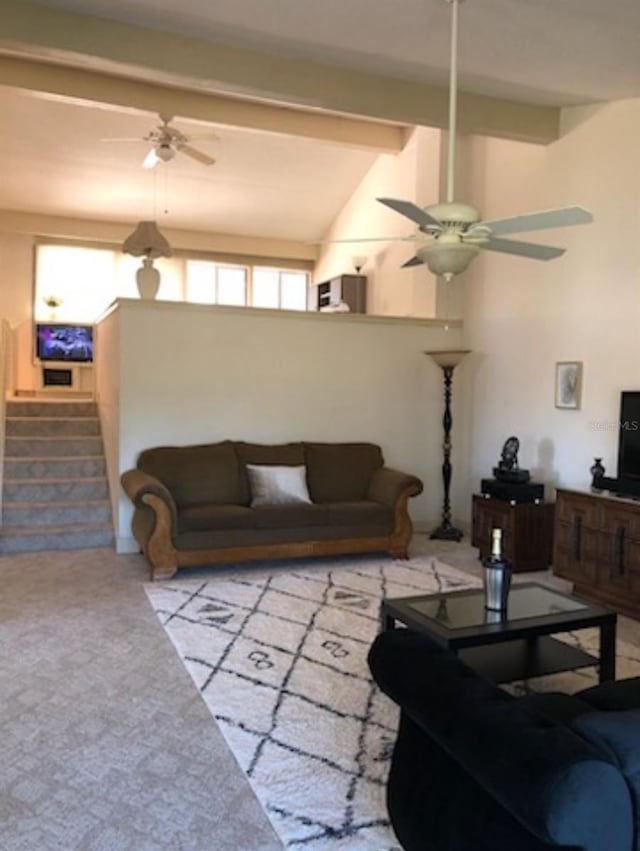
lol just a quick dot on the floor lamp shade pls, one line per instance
(447, 361)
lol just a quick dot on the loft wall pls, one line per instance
(192, 374)
(16, 300)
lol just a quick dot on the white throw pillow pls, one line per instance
(277, 485)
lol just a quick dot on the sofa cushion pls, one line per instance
(618, 735)
(196, 475)
(290, 516)
(277, 484)
(371, 514)
(196, 518)
(340, 472)
(287, 454)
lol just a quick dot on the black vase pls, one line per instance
(597, 472)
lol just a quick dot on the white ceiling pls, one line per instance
(542, 51)
(553, 52)
(52, 160)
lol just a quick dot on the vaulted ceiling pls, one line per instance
(301, 95)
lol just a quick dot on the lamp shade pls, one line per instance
(147, 241)
(448, 359)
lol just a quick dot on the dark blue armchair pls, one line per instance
(476, 769)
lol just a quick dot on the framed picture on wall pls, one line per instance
(568, 384)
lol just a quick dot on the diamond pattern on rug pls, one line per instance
(279, 656)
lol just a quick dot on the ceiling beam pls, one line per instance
(96, 88)
(130, 51)
(114, 233)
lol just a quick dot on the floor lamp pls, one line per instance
(447, 361)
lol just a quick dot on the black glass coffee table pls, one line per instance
(514, 647)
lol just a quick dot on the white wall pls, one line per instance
(522, 316)
(16, 296)
(411, 175)
(192, 374)
(108, 369)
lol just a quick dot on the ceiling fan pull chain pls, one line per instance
(166, 191)
(453, 101)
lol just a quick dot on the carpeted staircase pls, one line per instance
(55, 491)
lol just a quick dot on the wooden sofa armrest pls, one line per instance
(388, 485)
(393, 488)
(137, 485)
(155, 522)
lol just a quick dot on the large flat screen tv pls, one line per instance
(629, 440)
(67, 343)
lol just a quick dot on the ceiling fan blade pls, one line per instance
(562, 217)
(414, 261)
(522, 249)
(200, 156)
(203, 137)
(413, 212)
(412, 238)
(151, 160)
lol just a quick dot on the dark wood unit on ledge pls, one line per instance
(527, 531)
(352, 289)
(597, 547)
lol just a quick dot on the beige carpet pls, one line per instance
(106, 744)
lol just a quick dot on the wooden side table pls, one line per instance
(527, 530)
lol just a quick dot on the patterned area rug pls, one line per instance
(279, 656)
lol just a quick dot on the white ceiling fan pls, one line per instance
(167, 141)
(453, 232)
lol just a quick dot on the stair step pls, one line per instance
(54, 490)
(38, 447)
(64, 512)
(59, 467)
(51, 426)
(66, 537)
(45, 408)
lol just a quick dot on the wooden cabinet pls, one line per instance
(352, 289)
(597, 547)
(527, 531)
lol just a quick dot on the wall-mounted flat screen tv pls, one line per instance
(629, 443)
(69, 343)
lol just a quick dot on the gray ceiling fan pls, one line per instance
(453, 233)
(167, 141)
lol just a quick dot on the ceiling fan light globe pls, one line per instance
(447, 258)
(165, 153)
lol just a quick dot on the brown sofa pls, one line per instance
(193, 504)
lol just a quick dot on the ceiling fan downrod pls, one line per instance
(453, 100)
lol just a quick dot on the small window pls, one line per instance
(72, 283)
(232, 285)
(214, 283)
(279, 288)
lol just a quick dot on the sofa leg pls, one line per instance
(400, 552)
(163, 564)
(163, 572)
